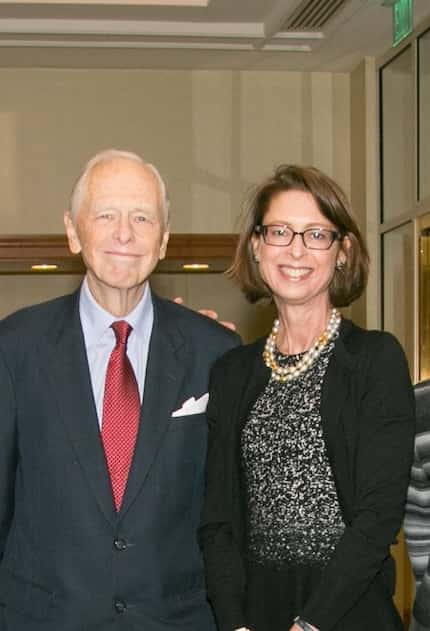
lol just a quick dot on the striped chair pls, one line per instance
(417, 516)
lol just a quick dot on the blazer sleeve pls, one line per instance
(8, 452)
(217, 535)
(383, 456)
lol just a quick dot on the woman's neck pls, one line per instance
(300, 327)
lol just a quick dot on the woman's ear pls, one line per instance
(342, 255)
(256, 245)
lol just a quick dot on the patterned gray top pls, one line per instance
(293, 509)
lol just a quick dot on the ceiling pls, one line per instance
(323, 35)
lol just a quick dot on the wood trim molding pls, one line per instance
(19, 253)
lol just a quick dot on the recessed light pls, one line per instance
(44, 267)
(195, 267)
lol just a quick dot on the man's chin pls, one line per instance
(117, 282)
(125, 284)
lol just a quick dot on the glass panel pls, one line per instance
(398, 275)
(424, 115)
(398, 310)
(397, 135)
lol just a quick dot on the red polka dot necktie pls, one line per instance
(121, 411)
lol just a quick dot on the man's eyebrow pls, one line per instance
(117, 207)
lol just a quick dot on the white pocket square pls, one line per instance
(192, 406)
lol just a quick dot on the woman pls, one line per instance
(310, 430)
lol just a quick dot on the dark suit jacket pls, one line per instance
(68, 561)
(367, 412)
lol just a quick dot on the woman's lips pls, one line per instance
(295, 273)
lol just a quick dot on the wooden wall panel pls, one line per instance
(19, 253)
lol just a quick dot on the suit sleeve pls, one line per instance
(8, 452)
(383, 457)
(221, 552)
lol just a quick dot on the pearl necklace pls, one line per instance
(287, 373)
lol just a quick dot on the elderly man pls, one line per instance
(102, 431)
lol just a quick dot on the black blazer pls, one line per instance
(367, 411)
(68, 561)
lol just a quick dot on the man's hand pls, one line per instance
(209, 313)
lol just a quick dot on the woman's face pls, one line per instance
(295, 274)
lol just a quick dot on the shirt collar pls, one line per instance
(96, 321)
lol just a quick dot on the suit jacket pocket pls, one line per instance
(188, 421)
(24, 596)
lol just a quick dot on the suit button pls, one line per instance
(120, 544)
(120, 606)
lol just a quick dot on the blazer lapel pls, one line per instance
(335, 393)
(167, 366)
(71, 383)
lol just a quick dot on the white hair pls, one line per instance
(80, 189)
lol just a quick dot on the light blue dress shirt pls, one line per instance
(100, 340)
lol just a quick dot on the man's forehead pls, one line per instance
(122, 167)
(122, 177)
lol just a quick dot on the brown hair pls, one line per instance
(349, 282)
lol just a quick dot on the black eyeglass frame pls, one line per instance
(261, 229)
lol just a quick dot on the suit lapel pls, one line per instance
(71, 383)
(167, 367)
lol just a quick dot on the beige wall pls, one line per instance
(215, 290)
(364, 182)
(20, 291)
(212, 134)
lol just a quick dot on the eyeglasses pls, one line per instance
(313, 238)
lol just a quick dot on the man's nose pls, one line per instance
(123, 229)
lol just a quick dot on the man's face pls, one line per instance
(119, 228)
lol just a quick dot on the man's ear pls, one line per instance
(163, 245)
(72, 235)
